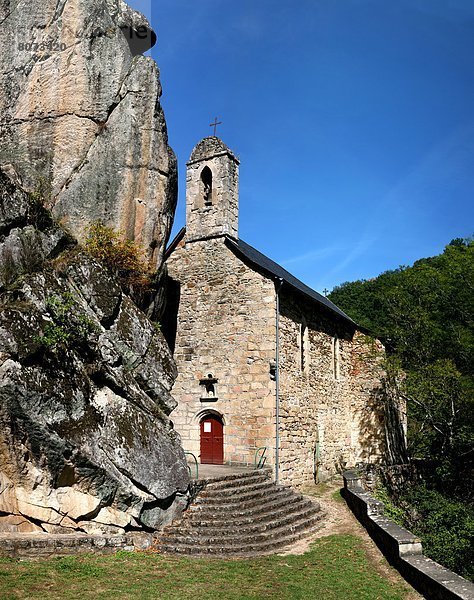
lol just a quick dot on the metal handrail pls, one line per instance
(262, 460)
(316, 462)
(195, 462)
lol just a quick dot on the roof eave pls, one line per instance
(172, 246)
(233, 245)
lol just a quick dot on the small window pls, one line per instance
(336, 357)
(304, 348)
(206, 178)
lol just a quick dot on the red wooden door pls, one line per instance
(212, 440)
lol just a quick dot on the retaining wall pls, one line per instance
(44, 545)
(403, 549)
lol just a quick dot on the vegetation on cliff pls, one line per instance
(85, 377)
(122, 257)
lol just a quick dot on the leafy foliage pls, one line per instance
(53, 337)
(391, 510)
(440, 411)
(446, 527)
(67, 326)
(426, 315)
(122, 257)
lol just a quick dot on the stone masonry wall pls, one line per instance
(226, 326)
(339, 407)
(221, 214)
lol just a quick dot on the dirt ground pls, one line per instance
(338, 519)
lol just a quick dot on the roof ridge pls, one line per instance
(274, 269)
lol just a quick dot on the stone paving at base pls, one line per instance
(209, 472)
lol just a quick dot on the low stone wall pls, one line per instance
(403, 549)
(44, 545)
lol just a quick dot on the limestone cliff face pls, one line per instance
(85, 439)
(80, 116)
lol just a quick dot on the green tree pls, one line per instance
(425, 313)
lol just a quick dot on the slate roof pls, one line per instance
(274, 270)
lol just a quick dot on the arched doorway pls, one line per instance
(212, 440)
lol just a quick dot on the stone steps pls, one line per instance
(238, 479)
(235, 493)
(248, 548)
(234, 543)
(277, 495)
(245, 511)
(267, 513)
(241, 515)
(209, 531)
(231, 497)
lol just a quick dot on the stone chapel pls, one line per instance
(264, 362)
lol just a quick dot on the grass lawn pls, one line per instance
(335, 567)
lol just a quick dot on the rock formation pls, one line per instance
(80, 116)
(85, 439)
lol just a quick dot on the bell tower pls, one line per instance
(212, 191)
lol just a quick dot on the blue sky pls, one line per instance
(353, 120)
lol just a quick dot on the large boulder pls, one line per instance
(86, 443)
(80, 116)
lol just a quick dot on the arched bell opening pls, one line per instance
(206, 180)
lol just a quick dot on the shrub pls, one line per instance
(53, 337)
(392, 511)
(121, 256)
(66, 327)
(446, 528)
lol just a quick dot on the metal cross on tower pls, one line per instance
(215, 124)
